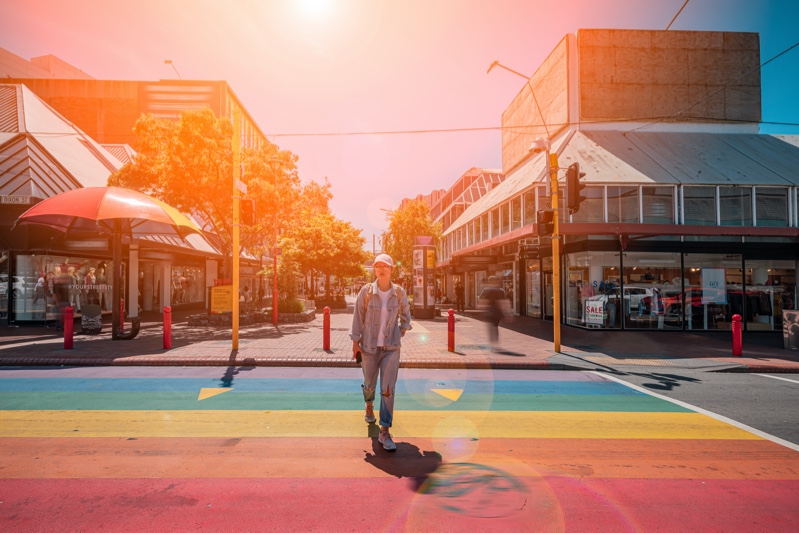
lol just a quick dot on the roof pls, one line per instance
(123, 152)
(649, 158)
(43, 154)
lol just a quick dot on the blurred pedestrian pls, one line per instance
(459, 297)
(495, 308)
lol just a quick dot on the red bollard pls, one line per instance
(737, 336)
(69, 326)
(451, 330)
(167, 327)
(122, 315)
(326, 330)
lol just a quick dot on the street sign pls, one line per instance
(240, 185)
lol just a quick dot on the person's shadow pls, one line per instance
(406, 461)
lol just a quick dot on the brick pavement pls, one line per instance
(525, 344)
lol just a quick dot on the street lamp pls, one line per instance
(275, 164)
(538, 146)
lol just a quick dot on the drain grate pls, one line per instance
(461, 347)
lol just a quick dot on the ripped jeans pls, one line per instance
(386, 362)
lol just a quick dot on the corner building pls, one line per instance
(690, 214)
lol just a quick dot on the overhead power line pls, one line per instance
(678, 14)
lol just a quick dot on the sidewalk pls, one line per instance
(525, 344)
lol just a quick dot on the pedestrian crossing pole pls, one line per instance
(236, 222)
(553, 174)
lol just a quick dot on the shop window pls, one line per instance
(516, 212)
(188, 284)
(529, 208)
(712, 290)
(770, 288)
(735, 206)
(699, 206)
(36, 280)
(771, 205)
(505, 217)
(658, 205)
(652, 291)
(623, 205)
(592, 209)
(593, 290)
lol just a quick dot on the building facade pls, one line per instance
(691, 214)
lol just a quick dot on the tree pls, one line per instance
(188, 164)
(406, 223)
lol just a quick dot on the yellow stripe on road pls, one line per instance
(438, 424)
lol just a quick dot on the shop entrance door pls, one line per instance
(548, 295)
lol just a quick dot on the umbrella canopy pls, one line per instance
(137, 213)
(118, 211)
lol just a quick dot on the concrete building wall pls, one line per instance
(678, 75)
(522, 121)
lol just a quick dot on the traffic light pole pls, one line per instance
(236, 224)
(552, 159)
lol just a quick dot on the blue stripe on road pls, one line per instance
(310, 386)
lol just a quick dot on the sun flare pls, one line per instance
(315, 8)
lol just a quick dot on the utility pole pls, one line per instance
(236, 221)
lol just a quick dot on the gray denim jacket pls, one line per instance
(365, 325)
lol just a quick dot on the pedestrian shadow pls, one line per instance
(665, 382)
(406, 461)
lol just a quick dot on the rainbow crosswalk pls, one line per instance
(157, 449)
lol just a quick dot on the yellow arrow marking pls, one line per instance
(207, 393)
(452, 394)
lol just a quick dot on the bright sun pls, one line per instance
(316, 8)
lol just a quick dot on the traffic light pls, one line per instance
(574, 187)
(546, 221)
(247, 211)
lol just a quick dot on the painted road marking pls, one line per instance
(776, 377)
(452, 394)
(711, 414)
(208, 393)
(471, 424)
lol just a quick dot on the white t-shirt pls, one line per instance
(381, 336)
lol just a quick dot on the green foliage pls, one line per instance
(291, 305)
(405, 224)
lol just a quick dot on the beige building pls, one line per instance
(690, 215)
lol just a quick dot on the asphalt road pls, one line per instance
(287, 449)
(767, 402)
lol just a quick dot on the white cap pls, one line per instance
(384, 258)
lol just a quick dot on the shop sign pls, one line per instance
(17, 200)
(222, 299)
(594, 312)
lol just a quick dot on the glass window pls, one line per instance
(516, 212)
(533, 296)
(735, 204)
(770, 288)
(658, 205)
(712, 290)
(652, 288)
(699, 206)
(529, 208)
(771, 206)
(543, 200)
(623, 205)
(43, 284)
(593, 286)
(592, 209)
(484, 227)
(495, 222)
(5, 287)
(505, 220)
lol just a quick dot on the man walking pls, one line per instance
(381, 318)
(459, 297)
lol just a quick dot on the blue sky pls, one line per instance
(322, 66)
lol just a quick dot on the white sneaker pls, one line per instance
(385, 439)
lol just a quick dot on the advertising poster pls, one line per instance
(222, 299)
(594, 312)
(714, 286)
